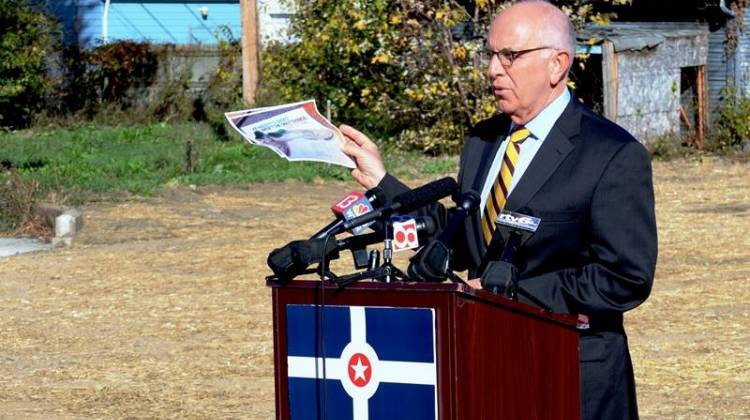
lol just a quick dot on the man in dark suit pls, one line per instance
(587, 179)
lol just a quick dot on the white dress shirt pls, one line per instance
(539, 126)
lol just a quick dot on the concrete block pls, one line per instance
(78, 216)
(60, 242)
(65, 225)
(50, 212)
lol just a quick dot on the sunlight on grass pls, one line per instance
(88, 161)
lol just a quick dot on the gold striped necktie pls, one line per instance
(501, 187)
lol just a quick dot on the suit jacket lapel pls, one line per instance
(478, 163)
(488, 153)
(554, 149)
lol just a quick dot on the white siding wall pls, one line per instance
(176, 23)
(274, 17)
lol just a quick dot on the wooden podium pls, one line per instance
(495, 358)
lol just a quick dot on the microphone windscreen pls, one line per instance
(281, 262)
(431, 263)
(311, 251)
(426, 194)
(426, 226)
(468, 201)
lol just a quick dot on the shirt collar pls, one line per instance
(542, 124)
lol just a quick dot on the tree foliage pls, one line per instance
(409, 72)
(117, 73)
(27, 37)
(736, 26)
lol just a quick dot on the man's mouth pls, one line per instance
(498, 91)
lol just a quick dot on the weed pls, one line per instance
(18, 200)
(732, 126)
(669, 146)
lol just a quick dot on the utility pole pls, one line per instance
(250, 57)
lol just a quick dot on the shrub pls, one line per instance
(123, 69)
(224, 89)
(172, 99)
(18, 200)
(121, 82)
(669, 146)
(27, 37)
(117, 73)
(732, 125)
(110, 83)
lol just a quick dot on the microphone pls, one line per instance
(285, 262)
(426, 226)
(432, 263)
(404, 203)
(293, 259)
(514, 230)
(497, 268)
(349, 207)
(465, 205)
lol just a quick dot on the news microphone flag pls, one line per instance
(352, 206)
(404, 233)
(520, 221)
(380, 362)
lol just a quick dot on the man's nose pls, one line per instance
(495, 68)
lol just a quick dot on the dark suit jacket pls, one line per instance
(594, 252)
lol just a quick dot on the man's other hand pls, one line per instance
(475, 283)
(370, 169)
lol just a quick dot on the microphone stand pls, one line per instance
(509, 255)
(323, 269)
(386, 272)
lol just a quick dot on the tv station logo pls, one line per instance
(518, 221)
(354, 205)
(404, 233)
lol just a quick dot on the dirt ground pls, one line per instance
(160, 309)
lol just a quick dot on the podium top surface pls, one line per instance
(461, 290)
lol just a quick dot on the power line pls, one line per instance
(126, 21)
(159, 23)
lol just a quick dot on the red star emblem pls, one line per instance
(360, 369)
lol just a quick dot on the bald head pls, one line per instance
(545, 24)
(532, 46)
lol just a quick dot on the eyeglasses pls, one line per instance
(508, 56)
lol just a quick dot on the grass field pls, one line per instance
(160, 309)
(79, 164)
(79, 161)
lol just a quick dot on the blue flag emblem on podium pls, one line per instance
(361, 362)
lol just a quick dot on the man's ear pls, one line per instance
(558, 67)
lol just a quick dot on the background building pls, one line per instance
(91, 22)
(648, 77)
(727, 65)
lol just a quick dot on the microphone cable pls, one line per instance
(323, 271)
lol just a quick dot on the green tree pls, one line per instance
(27, 38)
(408, 71)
